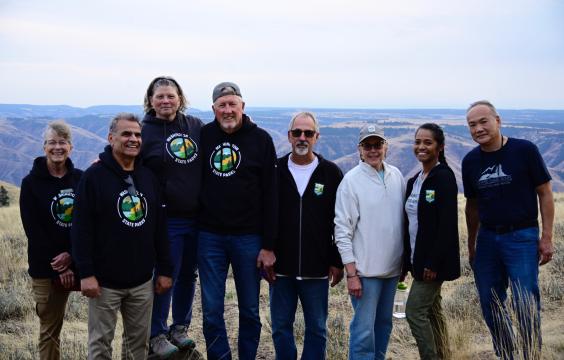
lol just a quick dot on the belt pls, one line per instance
(503, 229)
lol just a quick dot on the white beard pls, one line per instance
(301, 150)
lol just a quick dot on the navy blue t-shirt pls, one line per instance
(504, 181)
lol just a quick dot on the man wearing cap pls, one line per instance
(369, 235)
(118, 236)
(307, 258)
(238, 220)
(503, 177)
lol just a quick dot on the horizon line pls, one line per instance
(291, 107)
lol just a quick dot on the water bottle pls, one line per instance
(400, 300)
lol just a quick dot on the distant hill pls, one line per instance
(21, 128)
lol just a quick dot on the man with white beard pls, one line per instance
(306, 256)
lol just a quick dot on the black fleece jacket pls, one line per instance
(436, 244)
(115, 237)
(239, 193)
(46, 209)
(305, 245)
(172, 151)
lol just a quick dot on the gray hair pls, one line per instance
(485, 103)
(309, 115)
(123, 116)
(60, 128)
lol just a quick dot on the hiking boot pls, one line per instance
(161, 347)
(179, 337)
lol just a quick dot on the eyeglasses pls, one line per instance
(298, 132)
(369, 146)
(55, 142)
(131, 188)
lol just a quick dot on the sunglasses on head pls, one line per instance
(298, 132)
(369, 146)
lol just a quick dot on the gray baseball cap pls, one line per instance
(225, 88)
(369, 130)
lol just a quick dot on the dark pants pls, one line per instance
(510, 259)
(216, 253)
(183, 239)
(426, 320)
(313, 295)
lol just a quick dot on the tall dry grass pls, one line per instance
(468, 335)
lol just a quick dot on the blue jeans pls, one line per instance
(313, 295)
(183, 239)
(216, 252)
(502, 260)
(371, 324)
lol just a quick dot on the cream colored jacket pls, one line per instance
(369, 220)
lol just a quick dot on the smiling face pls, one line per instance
(373, 151)
(228, 111)
(425, 147)
(57, 149)
(484, 127)
(165, 101)
(125, 140)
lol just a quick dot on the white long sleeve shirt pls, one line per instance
(369, 220)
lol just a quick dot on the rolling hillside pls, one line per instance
(21, 128)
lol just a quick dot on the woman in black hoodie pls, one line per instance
(431, 241)
(171, 149)
(46, 204)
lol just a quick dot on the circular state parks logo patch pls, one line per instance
(61, 207)
(181, 148)
(132, 209)
(225, 159)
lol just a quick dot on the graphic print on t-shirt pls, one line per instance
(132, 209)
(61, 207)
(225, 159)
(181, 148)
(493, 176)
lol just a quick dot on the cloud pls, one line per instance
(417, 52)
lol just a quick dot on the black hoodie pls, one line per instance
(239, 192)
(46, 208)
(117, 237)
(172, 151)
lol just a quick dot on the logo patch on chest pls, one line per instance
(429, 196)
(318, 189)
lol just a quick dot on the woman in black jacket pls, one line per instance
(46, 209)
(431, 241)
(171, 149)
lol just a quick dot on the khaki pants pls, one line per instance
(426, 320)
(50, 307)
(135, 305)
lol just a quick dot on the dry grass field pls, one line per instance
(468, 334)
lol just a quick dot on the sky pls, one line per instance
(291, 53)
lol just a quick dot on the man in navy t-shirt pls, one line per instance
(502, 179)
